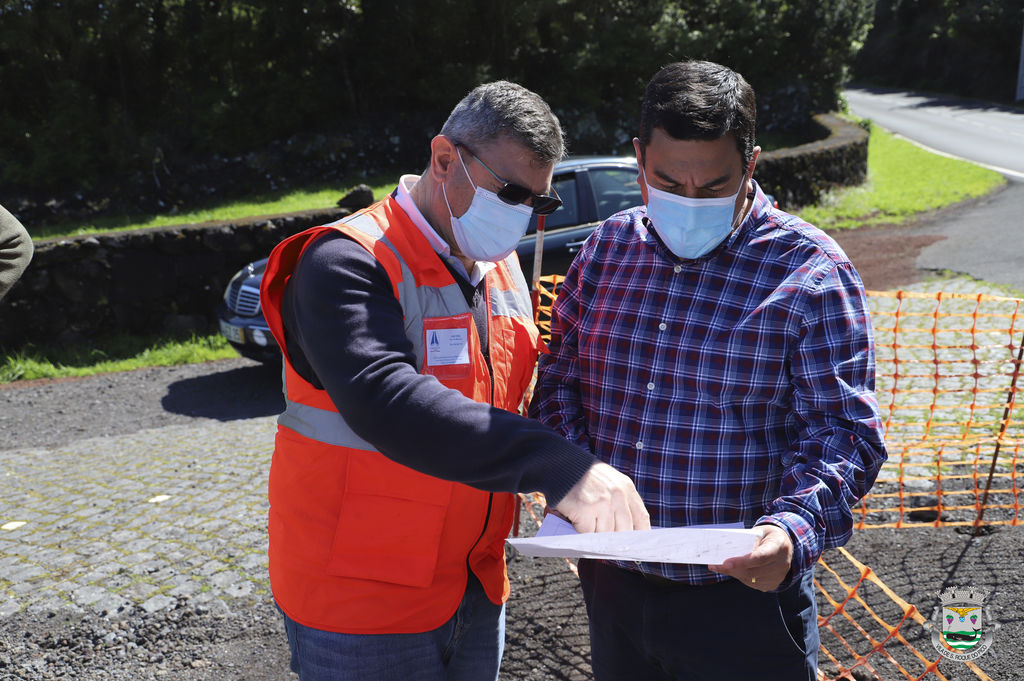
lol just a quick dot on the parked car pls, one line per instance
(591, 187)
(241, 318)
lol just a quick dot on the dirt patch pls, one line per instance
(885, 255)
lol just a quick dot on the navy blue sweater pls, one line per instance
(345, 333)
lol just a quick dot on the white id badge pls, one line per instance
(447, 346)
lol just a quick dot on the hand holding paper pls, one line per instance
(701, 545)
(767, 565)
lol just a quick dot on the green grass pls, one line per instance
(322, 196)
(903, 181)
(114, 353)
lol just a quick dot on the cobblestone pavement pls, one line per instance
(140, 519)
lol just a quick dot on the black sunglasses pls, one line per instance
(514, 194)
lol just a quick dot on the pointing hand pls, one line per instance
(604, 500)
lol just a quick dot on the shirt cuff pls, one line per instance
(569, 464)
(806, 547)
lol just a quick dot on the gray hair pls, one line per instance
(503, 108)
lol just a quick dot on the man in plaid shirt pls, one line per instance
(719, 352)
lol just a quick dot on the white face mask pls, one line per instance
(491, 228)
(690, 228)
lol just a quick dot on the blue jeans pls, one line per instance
(658, 631)
(468, 647)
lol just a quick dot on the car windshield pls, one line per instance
(616, 189)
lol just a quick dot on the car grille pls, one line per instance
(244, 300)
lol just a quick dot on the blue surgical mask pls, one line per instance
(490, 229)
(690, 228)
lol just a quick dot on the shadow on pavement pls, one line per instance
(241, 393)
(951, 101)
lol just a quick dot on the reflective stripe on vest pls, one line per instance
(321, 425)
(509, 303)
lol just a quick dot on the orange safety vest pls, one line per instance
(358, 543)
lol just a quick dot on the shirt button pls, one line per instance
(650, 386)
(663, 326)
(639, 445)
(677, 269)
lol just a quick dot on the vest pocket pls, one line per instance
(390, 524)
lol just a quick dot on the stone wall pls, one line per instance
(798, 176)
(151, 281)
(171, 279)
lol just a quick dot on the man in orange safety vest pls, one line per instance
(408, 345)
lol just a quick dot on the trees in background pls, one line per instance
(96, 89)
(92, 91)
(969, 48)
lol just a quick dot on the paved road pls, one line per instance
(984, 239)
(985, 133)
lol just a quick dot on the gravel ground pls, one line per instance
(243, 638)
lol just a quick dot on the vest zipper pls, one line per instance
(483, 530)
(490, 377)
(490, 335)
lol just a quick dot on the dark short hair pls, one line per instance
(699, 100)
(503, 108)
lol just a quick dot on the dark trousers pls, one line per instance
(651, 629)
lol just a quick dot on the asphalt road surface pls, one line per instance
(984, 238)
(982, 132)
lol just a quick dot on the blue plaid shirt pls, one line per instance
(735, 387)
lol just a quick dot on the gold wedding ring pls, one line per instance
(753, 580)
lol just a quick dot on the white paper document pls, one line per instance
(705, 545)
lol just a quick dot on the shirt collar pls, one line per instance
(440, 246)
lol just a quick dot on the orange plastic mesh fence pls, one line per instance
(864, 625)
(947, 385)
(548, 290)
(866, 630)
(947, 368)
